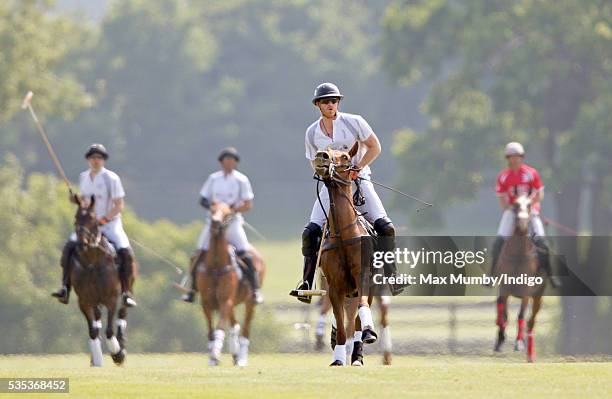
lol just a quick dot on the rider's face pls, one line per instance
(328, 107)
(514, 161)
(96, 162)
(228, 163)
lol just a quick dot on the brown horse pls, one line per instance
(345, 253)
(519, 257)
(95, 278)
(221, 290)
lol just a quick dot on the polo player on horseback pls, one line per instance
(106, 186)
(340, 131)
(233, 188)
(519, 178)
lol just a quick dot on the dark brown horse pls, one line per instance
(221, 290)
(519, 258)
(345, 253)
(95, 278)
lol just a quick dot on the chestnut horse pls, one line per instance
(519, 257)
(221, 290)
(95, 278)
(345, 252)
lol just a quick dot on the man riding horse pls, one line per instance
(233, 188)
(340, 131)
(106, 187)
(519, 178)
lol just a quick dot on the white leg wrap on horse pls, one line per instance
(95, 346)
(113, 345)
(334, 323)
(349, 346)
(387, 345)
(218, 342)
(340, 353)
(96, 324)
(320, 330)
(357, 336)
(365, 316)
(121, 323)
(234, 345)
(243, 356)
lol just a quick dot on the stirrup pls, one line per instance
(306, 292)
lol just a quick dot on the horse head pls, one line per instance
(86, 223)
(335, 164)
(522, 213)
(220, 213)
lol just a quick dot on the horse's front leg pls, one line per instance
(535, 308)
(243, 352)
(354, 333)
(208, 314)
(117, 353)
(337, 301)
(361, 275)
(121, 324)
(502, 317)
(519, 343)
(387, 345)
(93, 326)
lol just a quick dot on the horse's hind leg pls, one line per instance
(337, 301)
(502, 317)
(535, 308)
(234, 334)
(385, 334)
(93, 327)
(519, 343)
(355, 346)
(115, 349)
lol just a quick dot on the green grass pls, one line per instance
(307, 376)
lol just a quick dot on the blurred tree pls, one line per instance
(532, 71)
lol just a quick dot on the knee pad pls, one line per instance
(311, 238)
(384, 227)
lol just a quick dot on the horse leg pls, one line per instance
(385, 334)
(243, 352)
(355, 346)
(117, 354)
(93, 326)
(225, 308)
(320, 329)
(121, 324)
(208, 313)
(234, 333)
(502, 317)
(337, 301)
(519, 343)
(535, 308)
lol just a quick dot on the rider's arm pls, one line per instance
(205, 202)
(243, 206)
(116, 208)
(503, 202)
(373, 150)
(537, 196)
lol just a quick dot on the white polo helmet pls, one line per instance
(514, 148)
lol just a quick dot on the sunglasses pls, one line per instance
(330, 101)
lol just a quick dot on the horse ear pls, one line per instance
(92, 202)
(353, 151)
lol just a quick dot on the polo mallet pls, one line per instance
(27, 103)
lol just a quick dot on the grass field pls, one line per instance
(307, 376)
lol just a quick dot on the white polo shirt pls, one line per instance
(106, 185)
(348, 129)
(231, 189)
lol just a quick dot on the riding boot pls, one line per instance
(126, 271)
(190, 295)
(386, 243)
(544, 260)
(251, 275)
(311, 239)
(497, 247)
(63, 294)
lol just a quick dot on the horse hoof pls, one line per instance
(519, 345)
(368, 336)
(336, 363)
(241, 363)
(531, 359)
(387, 359)
(213, 362)
(119, 357)
(357, 363)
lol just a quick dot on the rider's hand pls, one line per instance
(103, 220)
(354, 173)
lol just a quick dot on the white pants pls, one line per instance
(234, 233)
(506, 226)
(112, 230)
(373, 207)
